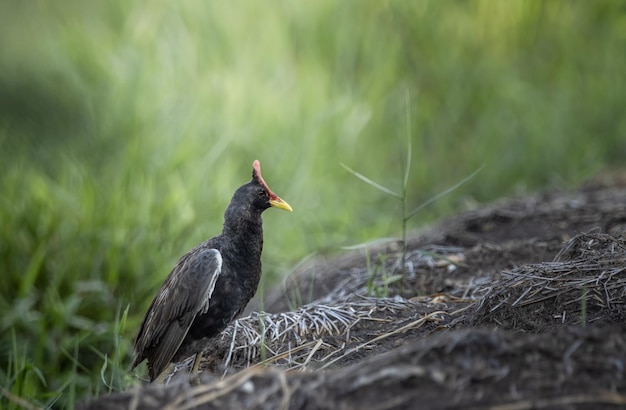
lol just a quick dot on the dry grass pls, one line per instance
(319, 335)
(585, 283)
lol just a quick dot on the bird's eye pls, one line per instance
(262, 193)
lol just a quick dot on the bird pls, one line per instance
(210, 285)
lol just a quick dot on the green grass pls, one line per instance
(125, 127)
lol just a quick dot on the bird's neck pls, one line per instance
(244, 228)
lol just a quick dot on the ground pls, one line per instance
(518, 305)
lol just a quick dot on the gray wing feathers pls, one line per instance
(185, 293)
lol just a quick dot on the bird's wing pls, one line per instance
(185, 293)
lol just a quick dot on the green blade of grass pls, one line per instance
(33, 270)
(370, 182)
(369, 244)
(103, 370)
(407, 167)
(443, 193)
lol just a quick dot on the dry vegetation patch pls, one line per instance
(478, 319)
(323, 335)
(585, 284)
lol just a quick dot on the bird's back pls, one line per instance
(236, 285)
(186, 292)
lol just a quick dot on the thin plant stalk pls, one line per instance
(405, 180)
(405, 183)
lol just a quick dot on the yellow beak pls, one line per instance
(280, 204)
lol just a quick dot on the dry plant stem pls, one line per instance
(207, 393)
(196, 363)
(412, 325)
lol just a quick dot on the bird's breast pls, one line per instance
(235, 286)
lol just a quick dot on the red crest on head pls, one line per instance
(256, 174)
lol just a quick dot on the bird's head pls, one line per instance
(254, 197)
(264, 197)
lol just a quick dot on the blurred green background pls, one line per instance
(125, 127)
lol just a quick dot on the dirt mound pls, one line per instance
(519, 305)
(470, 368)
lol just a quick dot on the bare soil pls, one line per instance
(518, 305)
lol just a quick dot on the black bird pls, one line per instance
(211, 284)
